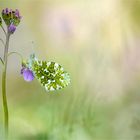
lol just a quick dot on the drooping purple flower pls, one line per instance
(12, 28)
(27, 74)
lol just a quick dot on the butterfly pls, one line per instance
(51, 75)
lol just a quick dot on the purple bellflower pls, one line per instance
(27, 74)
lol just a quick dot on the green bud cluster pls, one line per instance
(11, 17)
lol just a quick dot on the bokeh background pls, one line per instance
(98, 43)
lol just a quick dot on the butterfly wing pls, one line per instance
(51, 75)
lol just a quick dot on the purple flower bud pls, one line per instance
(27, 74)
(12, 28)
(17, 13)
(6, 11)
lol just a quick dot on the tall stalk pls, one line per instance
(5, 105)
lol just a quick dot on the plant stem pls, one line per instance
(5, 106)
(1, 61)
(3, 30)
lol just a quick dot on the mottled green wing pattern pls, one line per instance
(50, 74)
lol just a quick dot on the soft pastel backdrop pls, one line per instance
(98, 43)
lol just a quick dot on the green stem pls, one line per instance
(2, 42)
(17, 54)
(3, 30)
(5, 106)
(1, 61)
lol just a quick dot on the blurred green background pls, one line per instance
(98, 43)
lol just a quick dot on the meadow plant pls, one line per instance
(51, 75)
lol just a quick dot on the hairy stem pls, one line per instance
(5, 105)
(2, 42)
(1, 61)
(3, 30)
(10, 53)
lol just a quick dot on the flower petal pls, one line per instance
(11, 28)
(27, 74)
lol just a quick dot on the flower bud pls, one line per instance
(11, 17)
(11, 28)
